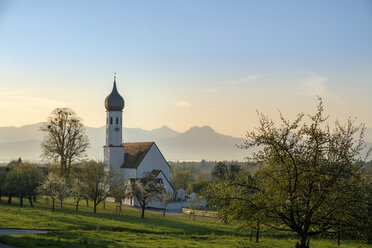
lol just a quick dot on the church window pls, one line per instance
(117, 121)
(111, 120)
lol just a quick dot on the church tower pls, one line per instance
(114, 149)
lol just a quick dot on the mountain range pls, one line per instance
(197, 143)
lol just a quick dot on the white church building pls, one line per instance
(131, 160)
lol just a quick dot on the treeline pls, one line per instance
(86, 181)
(196, 176)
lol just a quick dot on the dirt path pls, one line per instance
(18, 232)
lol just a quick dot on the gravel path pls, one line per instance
(18, 232)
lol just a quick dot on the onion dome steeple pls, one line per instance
(114, 101)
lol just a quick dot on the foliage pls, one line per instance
(306, 180)
(118, 191)
(55, 187)
(78, 191)
(2, 181)
(144, 190)
(181, 179)
(64, 138)
(221, 171)
(96, 181)
(200, 183)
(23, 181)
(166, 197)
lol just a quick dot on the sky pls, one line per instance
(186, 63)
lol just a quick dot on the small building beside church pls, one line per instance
(131, 160)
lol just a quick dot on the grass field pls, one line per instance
(106, 229)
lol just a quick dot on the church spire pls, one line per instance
(114, 101)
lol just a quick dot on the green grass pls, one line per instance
(106, 229)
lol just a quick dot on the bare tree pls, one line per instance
(144, 190)
(64, 138)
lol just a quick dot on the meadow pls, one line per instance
(106, 228)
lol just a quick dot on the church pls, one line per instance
(131, 160)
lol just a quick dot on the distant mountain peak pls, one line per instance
(203, 129)
(164, 131)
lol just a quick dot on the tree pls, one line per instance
(182, 179)
(166, 197)
(118, 191)
(14, 163)
(55, 187)
(64, 139)
(23, 181)
(234, 170)
(144, 190)
(96, 181)
(200, 183)
(78, 191)
(2, 182)
(358, 222)
(238, 199)
(220, 172)
(305, 177)
(11, 186)
(30, 178)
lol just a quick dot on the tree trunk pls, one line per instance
(87, 202)
(77, 205)
(250, 239)
(95, 206)
(304, 242)
(338, 239)
(68, 169)
(53, 205)
(30, 200)
(21, 202)
(164, 211)
(61, 204)
(10, 200)
(143, 212)
(257, 231)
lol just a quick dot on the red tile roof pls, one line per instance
(134, 152)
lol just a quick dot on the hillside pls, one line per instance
(80, 229)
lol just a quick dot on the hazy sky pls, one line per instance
(185, 63)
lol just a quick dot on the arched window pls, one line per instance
(117, 121)
(111, 120)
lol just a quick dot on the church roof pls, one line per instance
(134, 152)
(114, 101)
(155, 173)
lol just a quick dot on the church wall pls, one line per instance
(165, 182)
(153, 160)
(114, 157)
(129, 173)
